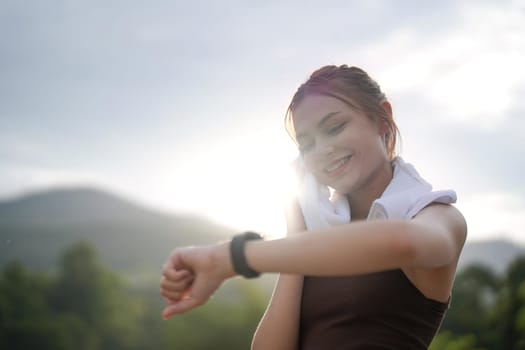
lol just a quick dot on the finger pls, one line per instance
(175, 291)
(180, 307)
(172, 296)
(175, 285)
(174, 274)
(199, 293)
(169, 301)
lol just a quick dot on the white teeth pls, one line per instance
(337, 165)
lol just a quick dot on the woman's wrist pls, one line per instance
(222, 260)
(238, 254)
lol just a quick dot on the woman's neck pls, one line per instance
(361, 200)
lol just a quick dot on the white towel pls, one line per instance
(406, 194)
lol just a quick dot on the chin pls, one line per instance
(345, 189)
(345, 185)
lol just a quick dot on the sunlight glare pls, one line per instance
(241, 181)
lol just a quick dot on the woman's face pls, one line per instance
(340, 145)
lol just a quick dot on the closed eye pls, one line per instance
(337, 129)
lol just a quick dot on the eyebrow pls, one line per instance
(321, 122)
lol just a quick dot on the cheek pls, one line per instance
(374, 151)
(309, 163)
(370, 141)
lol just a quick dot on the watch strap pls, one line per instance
(238, 258)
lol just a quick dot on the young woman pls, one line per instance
(376, 267)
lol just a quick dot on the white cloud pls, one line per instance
(469, 72)
(494, 215)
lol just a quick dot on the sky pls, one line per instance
(179, 105)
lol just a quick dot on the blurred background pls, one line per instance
(130, 127)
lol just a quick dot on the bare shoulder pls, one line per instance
(447, 222)
(445, 217)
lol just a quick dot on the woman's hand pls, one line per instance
(174, 284)
(192, 274)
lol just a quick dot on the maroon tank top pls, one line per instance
(381, 310)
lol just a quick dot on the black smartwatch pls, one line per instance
(237, 254)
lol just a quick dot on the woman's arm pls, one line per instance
(433, 239)
(279, 326)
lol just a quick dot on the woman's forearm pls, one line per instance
(343, 250)
(279, 327)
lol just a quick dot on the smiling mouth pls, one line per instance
(332, 169)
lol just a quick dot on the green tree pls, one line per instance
(476, 293)
(486, 309)
(513, 306)
(87, 307)
(28, 322)
(84, 288)
(226, 322)
(520, 318)
(447, 341)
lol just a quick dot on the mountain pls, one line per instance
(131, 238)
(496, 254)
